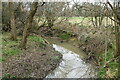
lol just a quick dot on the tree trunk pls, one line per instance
(28, 24)
(100, 20)
(92, 19)
(117, 34)
(12, 21)
(118, 46)
(117, 29)
(96, 21)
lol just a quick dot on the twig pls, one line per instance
(111, 60)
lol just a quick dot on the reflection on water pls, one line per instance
(72, 66)
(67, 45)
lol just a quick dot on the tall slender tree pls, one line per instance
(12, 21)
(116, 12)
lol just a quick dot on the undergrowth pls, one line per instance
(11, 48)
(64, 36)
(108, 67)
(39, 40)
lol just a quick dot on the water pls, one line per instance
(67, 45)
(72, 66)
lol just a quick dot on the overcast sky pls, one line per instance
(59, 0)
(80, 1)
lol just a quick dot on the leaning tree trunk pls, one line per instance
(28, 24)
(12, 22)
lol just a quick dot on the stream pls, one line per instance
(72, 65)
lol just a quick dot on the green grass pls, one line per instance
(79, 19)
(86, 21)
(64, 36)
(36, 38)
(54, 58)
(11, 48)
(113, 65)
(2, 59)
(39, 40)
(11, 51)
(10, 43)
(8, 77)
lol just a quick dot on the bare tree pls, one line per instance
(28, 25)
(117, 27)
(12, 21)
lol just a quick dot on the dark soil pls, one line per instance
(32, 64)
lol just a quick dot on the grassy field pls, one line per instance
(86, 21)
(82, 21)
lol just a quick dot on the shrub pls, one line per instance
(65, 36)
(111, 66)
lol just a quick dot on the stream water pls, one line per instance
(72, 65)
